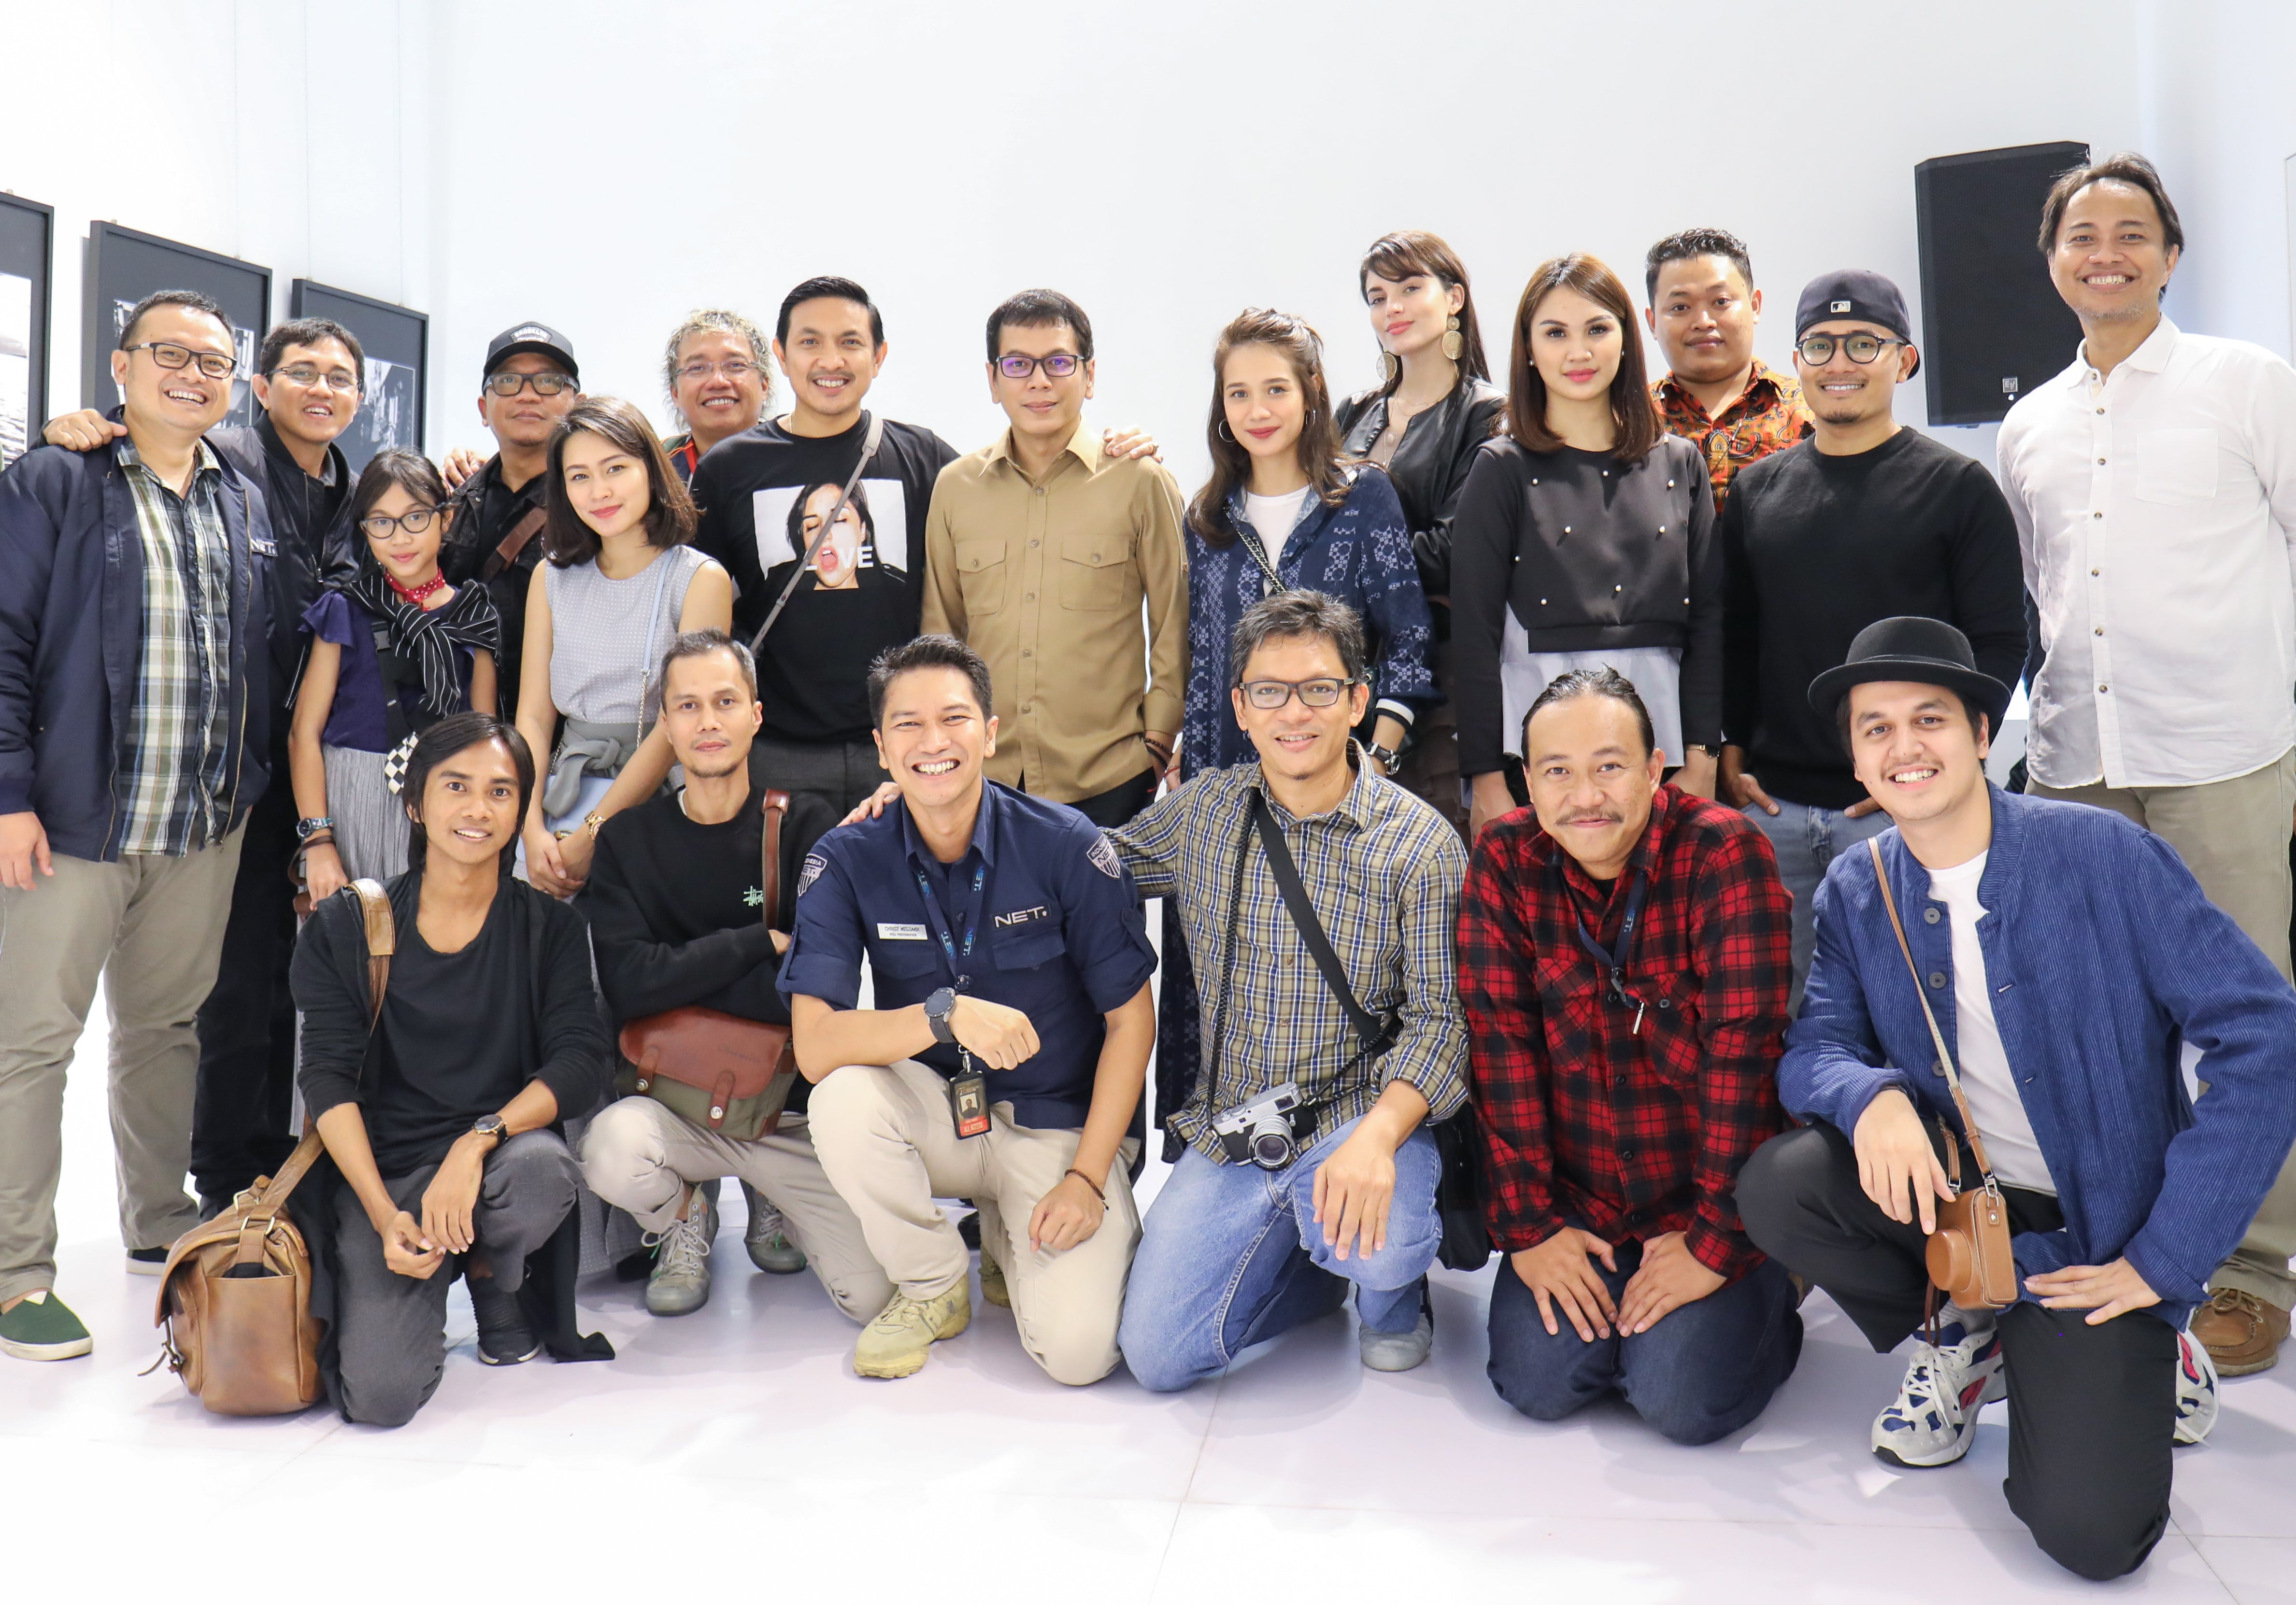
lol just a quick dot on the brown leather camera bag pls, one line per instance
(235, 1295)
(1968, 1255)
(718, 1070)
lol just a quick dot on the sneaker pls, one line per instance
(680, 1282)
(505, 1338)
(767, 1238)
(896, 1343)
(993, 1289)
(42, 1327)
(2196, 1389)
(146, 1262)
(2242, 1333)
(1399, 1351)
(1934, 1418)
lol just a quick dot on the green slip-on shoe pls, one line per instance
(42, 1327)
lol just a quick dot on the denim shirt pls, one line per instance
(2105, 959)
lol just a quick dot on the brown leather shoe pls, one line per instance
(2242, 1333)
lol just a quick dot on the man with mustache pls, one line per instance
(1623, 958)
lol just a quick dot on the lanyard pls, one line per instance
(1614, 962)
(933, 911)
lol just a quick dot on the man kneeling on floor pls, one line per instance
(2067, 957)
(1625, 954)
(674, 899)
(1008, 1045)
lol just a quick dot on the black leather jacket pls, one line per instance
(1430, 465)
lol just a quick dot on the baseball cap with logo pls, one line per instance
(540, 338)
(1856, 294)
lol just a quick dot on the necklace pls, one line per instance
(418, 594)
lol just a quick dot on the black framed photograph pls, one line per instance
(27, 231)
(124, 266)
(397, 343)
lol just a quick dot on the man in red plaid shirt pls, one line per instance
(1625, 951)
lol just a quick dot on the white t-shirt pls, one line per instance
(1987, 1080)
(1271, 517)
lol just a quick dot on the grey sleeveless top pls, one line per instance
(607, 635)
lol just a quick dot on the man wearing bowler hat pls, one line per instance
(2067, 956)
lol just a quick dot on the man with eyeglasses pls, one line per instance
(1866, 520)
(714, 370)
(135, 602)
(1040, 549)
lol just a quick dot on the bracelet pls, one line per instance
(594, 822)
(1086, 1180)
(324, 838)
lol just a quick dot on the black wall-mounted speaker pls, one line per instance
(1992, 324)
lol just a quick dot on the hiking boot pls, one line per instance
(1399, 1351)
(680, 1282)
(768, 1237)
(42, 1327)
(896, 1343)
(1933, 1420)
(2242, 1333)
(505, 1338)
(2196, 1389)
(993, 1289)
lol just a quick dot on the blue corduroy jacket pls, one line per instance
(2103, 960)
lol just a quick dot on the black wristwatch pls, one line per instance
(939, 1007)
(492, 1126)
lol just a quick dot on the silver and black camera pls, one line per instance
(1260, 1131)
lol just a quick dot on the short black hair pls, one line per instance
(1291, 616)
(2122, 167)
(454, 733)
(828, 287)
(1976, 716)
(701, 643)
(1604, 682)
(309, 332)
(928, 651)
(1686, 243)
(189, 300)
(1039, 309)
(410, 471)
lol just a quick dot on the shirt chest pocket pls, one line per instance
(2177, 466)
(1028, 946)
(1096, 573)
(902, 958)
(1671, 999)
(981, 572)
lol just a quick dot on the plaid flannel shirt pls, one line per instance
(177, 740)
(1587, 1120)
(1383, 869)
(1768, 415)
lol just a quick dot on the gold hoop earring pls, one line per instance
(1390, 368)
(1454, 342)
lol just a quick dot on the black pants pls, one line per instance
(844, 774)
(2092, 1409)
(1118, 805)
(247, 1027)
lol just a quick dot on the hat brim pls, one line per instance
(535, 348)
(1981, 692)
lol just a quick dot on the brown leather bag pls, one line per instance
(715, 1069)
(1968, 1255)
(235, 1295)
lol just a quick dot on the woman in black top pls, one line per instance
(1584, 538)
(1432, 411)
(444, 1120)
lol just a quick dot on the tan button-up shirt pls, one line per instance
(1046, 580)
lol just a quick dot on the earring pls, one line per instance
(1454, 342)
(1390, 368)
(1222, 430)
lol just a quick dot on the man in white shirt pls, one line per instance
(2155, 484)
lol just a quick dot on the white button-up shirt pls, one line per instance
(2156, 509)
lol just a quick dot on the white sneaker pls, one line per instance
(2196, 1389)
(1935, 1416)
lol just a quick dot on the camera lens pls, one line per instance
(1271, 1149)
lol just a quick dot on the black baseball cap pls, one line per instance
(1926, 651)
(1853, 292)
(540, 338)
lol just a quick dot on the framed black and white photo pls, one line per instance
(397, 343)
(124, 266)
(26, 266)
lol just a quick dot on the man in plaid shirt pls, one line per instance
(1624, 957)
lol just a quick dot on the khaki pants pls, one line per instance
(150, 929)
(2233, 835)
(886, 1140)
(639, 1156)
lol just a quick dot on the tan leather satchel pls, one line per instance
(236, 1296)
(1968, 1255)
(715, 1069)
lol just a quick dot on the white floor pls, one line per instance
(734, 1449)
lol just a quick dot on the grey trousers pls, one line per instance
(391, 1330)
(152, 929)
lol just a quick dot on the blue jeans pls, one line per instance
(1806, 839)
(1704, 1370)
(1231, 1255)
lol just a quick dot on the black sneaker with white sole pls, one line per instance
(505, 1338)
(146, 1262)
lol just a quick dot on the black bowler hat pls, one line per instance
(540, 338)
(1926, 651)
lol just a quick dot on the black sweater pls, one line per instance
(1575, 552)
(1814, 548)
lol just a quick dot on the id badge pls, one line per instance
(968, 1100)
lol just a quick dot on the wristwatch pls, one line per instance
(939, 1007)
(594, 822)
(1707, 748)
(491, 1126)
(1389, 759)
(305, 829)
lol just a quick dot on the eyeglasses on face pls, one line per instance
(1059, 365)
(170, 355)
(1268, 695)
(734, 368)
(381, 526)
(341, 380)
(1817, 349)
(507, 385)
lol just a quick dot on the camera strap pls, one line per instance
(1377, 1036)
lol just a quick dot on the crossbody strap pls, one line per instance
(869, 444)
(381, 942)
(1377, 1037)
(769, 873)
(506, 553)
(1945, 1054)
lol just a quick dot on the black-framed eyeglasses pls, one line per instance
(381, 526)
(168, 354)
(507, 385)
(1268, 695)
(734, 368)
(1817, 349)
(341, 380)
(1059, 365)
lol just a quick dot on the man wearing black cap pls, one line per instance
(1863, 519)
(2025, 978)
(530, 382)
